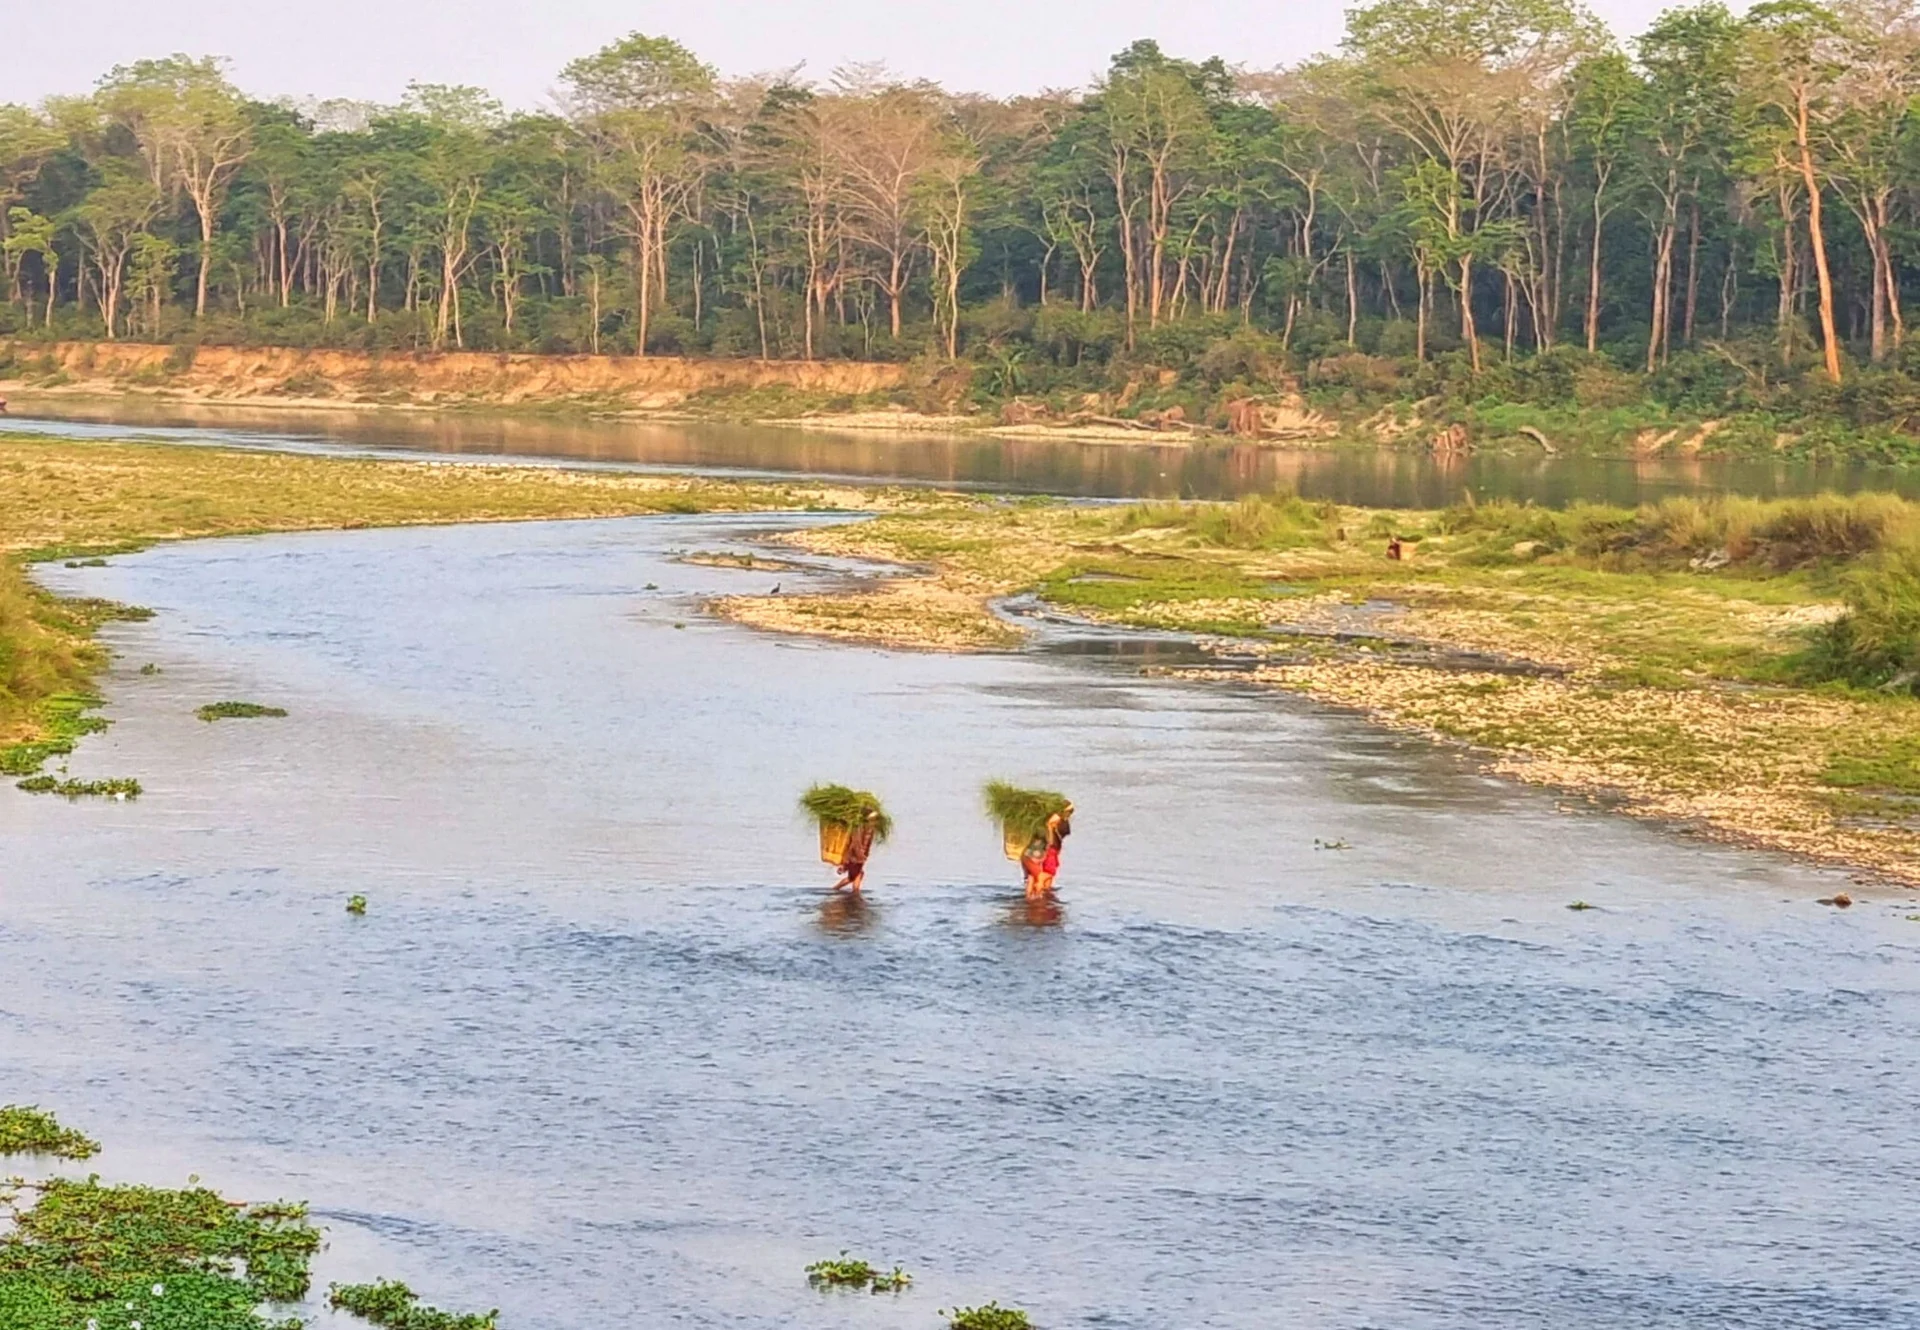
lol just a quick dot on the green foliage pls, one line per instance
(1876, 642)
(25, 1130)
(392, 1304)
(356, 905)
(1776, 536)
(237, 711)
(118, 787)
(839, 805)
(846, 1272)
(1020, 811)
(990, 1317)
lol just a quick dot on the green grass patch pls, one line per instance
(392, 1304)
(1125, 583)
(25, 1130)
(237, 711)
(1893, 767)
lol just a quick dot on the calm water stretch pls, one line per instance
(603, 1053)
(1377, 478)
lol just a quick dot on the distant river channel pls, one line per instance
(1314, 1040)
(1384, 478)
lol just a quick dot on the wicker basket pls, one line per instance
(833, 842)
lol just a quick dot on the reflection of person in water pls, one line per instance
(853, 861)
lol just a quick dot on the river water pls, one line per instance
(1386, 478)
(604, 1052)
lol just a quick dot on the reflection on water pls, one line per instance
(1379, 478)
(846, 914)
(604, 1052)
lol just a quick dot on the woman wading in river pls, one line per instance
(1058, 828)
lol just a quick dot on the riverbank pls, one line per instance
(65, 500)
(834, 395)
(1661, 685)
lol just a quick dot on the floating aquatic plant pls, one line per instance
(115, 788)
(392, 1304)
(1020, 811)
(116, 1257)
(846, 1272)
(842, 806)
(26, 1130)
(1580, 905)
(990, 1317)
(356, 904)
(149, 668)
(237, 711)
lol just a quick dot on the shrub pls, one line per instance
(1257, 522)
(1876, 642)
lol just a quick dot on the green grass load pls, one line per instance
(1022, 813)
(839, 806)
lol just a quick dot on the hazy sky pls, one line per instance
(371, 48)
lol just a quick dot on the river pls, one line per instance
(603, 1052)
(1384, 478)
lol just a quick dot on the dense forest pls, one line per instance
(1487, 192)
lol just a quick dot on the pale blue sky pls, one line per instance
(371, 48)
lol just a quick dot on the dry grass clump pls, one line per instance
(1258, 522)
(1757, 535)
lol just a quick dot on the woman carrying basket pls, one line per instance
(853, 860)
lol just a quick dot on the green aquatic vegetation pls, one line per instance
(846, 1272)
(26, 1130)
(1580, 905)
(356, 904)
(990, 1317)
(237, 711)
(841, 806)
(149, 668)
(392, 1304)
(121, 1256)
(119, 787)
(1021, 811)
(63, 719)
(86, 563)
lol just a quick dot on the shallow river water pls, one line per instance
(604, 1053)
(1382, 477)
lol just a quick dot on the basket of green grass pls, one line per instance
(1021, 814)
(837, 810)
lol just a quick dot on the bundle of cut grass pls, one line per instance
(1022, 814)
(837, 810)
